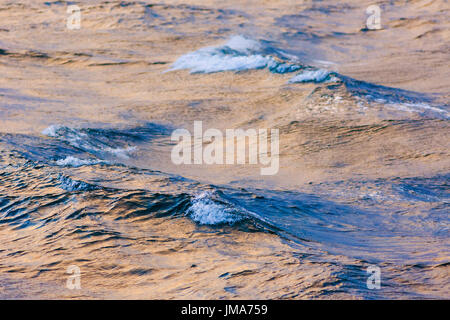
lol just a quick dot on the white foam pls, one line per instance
(58, 131)
(419, 108)
(206, 211)
(121, 152)
(242, 44)
(75, 162)
(206, 63)
(237, 54)
(51, 131)
(318, 75)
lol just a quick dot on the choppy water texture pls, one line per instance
(85, 172)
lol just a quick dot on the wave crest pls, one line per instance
(207, 211)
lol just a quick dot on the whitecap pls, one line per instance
(317, 75)
(75, 162)
(74, 136)
(206, 211)
(243, 45)
(51, 130)
(237, 54)
(121, 152)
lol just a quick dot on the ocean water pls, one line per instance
(86, 177)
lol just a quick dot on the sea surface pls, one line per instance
(86, 177)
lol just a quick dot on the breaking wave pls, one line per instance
(237, 54)
(205, 210)
(240, 54)
(70, 161)
(91, 140)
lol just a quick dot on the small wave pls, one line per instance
(237, 54)
(207, 211)
(240, 54)
(69, 184)
(51, 131)
(75, 162)
(121, 152)
(91, 140)
(319, 75)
